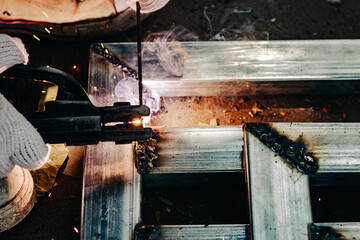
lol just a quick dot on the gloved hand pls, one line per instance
(147, 6)
(20, 143)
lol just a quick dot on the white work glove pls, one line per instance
(147, 6)
(20, 143)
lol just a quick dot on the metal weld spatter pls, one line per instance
(145, 155)
(324, 233)
(292, 152)
(146, 232)
(104, 52)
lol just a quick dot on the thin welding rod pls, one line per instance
(138, 22)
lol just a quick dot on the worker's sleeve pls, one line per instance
(20, 143)
(147, 6)
(12, 52)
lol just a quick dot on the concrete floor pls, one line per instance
(57, 216)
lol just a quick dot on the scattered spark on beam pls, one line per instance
(36, 37)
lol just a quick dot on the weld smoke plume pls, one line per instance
(235, 23)
(127, 90)
(163, 55)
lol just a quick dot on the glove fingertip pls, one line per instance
(6, 167)
(35, 158)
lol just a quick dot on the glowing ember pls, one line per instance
(76, 230)
(45, 14)
(47, 30)
(36, 37)
(255, 109)
(326, 109)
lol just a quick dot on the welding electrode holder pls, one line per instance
(73, 119)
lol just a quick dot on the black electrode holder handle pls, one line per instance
(73, 119)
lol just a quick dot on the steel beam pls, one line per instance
(198, 149)
(194, 232)
(111, 192)
(279, 196)
(245, 67)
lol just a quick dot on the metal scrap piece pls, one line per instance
(292, 152)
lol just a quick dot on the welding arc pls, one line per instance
(294, 153)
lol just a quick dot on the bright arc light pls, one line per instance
(137, 122)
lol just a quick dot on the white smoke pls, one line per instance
(127, 90)
(229, 24)
(163, 55)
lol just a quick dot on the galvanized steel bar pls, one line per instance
(199, 149)
(253, 67)
(196, 232)
(335, 145)
(191, 149)
(343, 230)
(279, 196)
(227, 69)
(111, 192)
